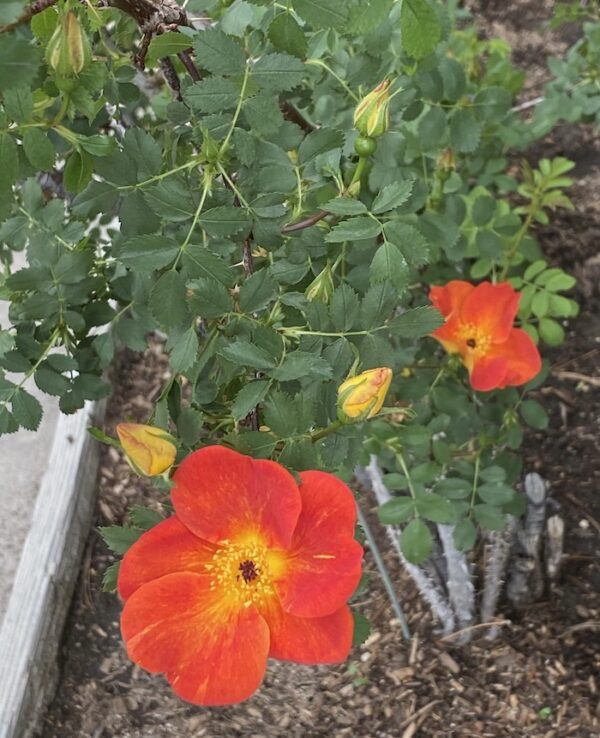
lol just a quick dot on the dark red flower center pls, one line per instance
(249, 570)
(472, 343)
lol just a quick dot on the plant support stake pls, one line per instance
(384, 574)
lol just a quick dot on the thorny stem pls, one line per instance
(248, 264)
(247, 258)
(295, 116)
(306, 223)
(189, 64)
(170, 74)
(28, 13)
(320, 214)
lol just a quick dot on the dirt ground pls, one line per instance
(538, 679)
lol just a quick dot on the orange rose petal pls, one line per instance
(492, 308)
(167, 548)
(325, 640)
(524, 360)
(212, 652)
(449, 297)
(509, 364)
(489, 373)
(322, 568)
(447, 335)
(220, 494)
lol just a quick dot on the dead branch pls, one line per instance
(497, 553)
(553, 550)
(526, 579)
(459, 581)
(431, 592)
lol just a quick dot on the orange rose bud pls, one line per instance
(371, 117)
(361, 397)
(149, 450)
(479, 327)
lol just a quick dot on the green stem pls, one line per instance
(360, 167)
(56, 333)
(238, 109)
(319, 63)
(406, 473)
(235, 190)
(157, 177)
(439, 375)
(327, 431)
(515, 247)
(62, 111)
(194, 223)
(475, 481)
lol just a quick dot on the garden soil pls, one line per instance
(539, 679)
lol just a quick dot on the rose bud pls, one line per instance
(371, 117)
(361, 397)
(150, 450)
(321, 288)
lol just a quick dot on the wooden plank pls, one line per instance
(31, 631)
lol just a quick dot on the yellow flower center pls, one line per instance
(477, 341)
(241, 571)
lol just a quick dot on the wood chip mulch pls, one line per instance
(538, 679)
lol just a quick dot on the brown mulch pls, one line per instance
(390, 688)
(539, 679)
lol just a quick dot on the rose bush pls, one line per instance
(303, 200)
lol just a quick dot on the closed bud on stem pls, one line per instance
(361, 397)
(321, 288)
(68, 50)
(150, 451)
(446, 163)
(371, 117)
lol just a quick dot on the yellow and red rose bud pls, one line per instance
(68, 50)
(361, 397)
(371, 117)
(321, 288)
(149, 450)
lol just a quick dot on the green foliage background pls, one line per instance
(141, 212)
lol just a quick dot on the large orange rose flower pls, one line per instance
(252, 565)
(479, 327)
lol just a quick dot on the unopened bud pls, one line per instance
(446, 162)
(321, 288)
(150, 450)
(361, 397)
(68, 50)
(371, 117)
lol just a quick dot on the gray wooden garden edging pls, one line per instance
(31, 630)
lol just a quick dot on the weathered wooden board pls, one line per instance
(50, 562)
